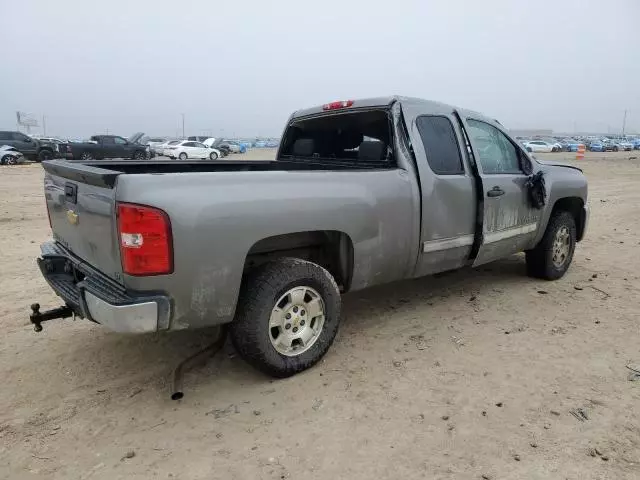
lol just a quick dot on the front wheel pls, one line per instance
(139, 155)
(213, 156)
(44, 155)
(287, 316)
(552, 257)
(86, 156)
(182, 156)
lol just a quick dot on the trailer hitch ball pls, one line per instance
(35, 313)
(37, 317)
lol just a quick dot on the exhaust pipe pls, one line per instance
(177, 391)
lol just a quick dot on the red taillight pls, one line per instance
(145, 240)
(337, 105)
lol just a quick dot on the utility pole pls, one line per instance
(624, 122)
(182, 125)
(44, 125)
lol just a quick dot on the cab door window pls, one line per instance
(497, 154)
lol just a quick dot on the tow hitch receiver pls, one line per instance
(37, 318)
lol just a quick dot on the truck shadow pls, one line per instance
(131, 362)
(430, 290)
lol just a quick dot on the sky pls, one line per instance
(240, 68)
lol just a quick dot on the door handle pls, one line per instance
(495, 192)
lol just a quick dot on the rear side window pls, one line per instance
(440, 144)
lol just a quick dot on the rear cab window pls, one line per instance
(351, 137)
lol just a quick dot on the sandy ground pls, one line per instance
(468, 374)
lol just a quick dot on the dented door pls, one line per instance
(509, 223)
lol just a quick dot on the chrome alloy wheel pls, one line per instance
(561, 247)
(296, 321)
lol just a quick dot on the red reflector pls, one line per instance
(337, 105)
(145, 240)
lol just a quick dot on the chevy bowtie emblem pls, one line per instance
(72, 217)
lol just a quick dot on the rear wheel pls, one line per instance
(183, 156)
(287, 316)
(213, 156)
(553, 255)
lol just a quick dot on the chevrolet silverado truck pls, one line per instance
(107, 146)
(361, 193)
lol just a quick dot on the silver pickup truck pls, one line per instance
(361, 193)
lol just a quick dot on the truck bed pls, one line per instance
(104, 172)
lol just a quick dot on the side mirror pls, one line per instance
(28, 140)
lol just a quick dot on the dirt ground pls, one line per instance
(472, 374)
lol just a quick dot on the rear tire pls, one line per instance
(183, 156)
(552, 257)
(267, 297)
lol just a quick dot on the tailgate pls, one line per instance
(81, 205)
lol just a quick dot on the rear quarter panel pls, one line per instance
(217, 217)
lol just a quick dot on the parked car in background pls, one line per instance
(107, 146)
(10, 155)
(166, 147)
(572, 145)
(31, 148)
(625, 145)
(609, 146)
(235, 147)
(636, 144)
(596, 146)
(198, 138)
(218, 144)
(154, 144)
(539, 146)
(186, 149)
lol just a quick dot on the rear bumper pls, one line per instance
(96, 297)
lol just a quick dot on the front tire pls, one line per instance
(287, 316)
(552, 257)
(44, 155)
(86, 156)
(213, 156)
(139, 155)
